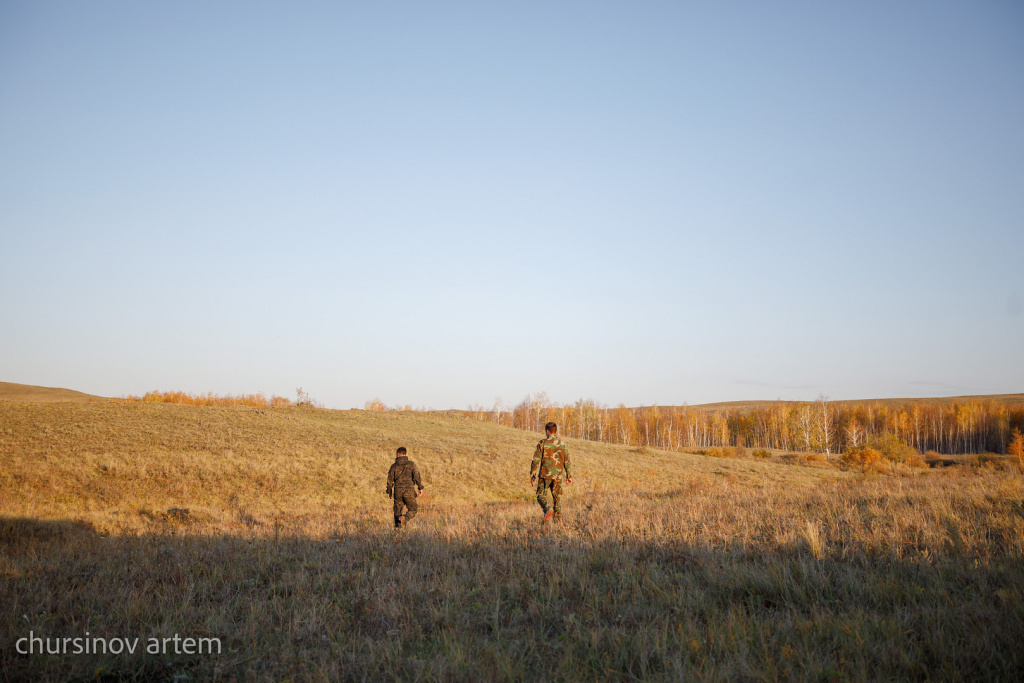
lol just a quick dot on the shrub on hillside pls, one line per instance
(304, 400)
(762, 453)
(891, 447)
(740, 451)
(1016, 447)
(995, 461)
(917, 461)
(815, 458)
(862, 457)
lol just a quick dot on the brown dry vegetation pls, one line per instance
(268, 528)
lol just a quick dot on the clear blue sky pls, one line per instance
(442, 203)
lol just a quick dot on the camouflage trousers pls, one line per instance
(405, 498)
(555, 485)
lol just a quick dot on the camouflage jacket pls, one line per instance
(403, 475)
(551, 460)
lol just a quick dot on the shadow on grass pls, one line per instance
(16, 532)
(428, 604)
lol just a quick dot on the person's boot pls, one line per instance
(548, 515)
(556, 518)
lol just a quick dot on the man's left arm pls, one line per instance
(567, 464)
(537, 456)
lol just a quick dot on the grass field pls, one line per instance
(268, 530)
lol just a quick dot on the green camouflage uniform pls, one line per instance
(550, 463)
(403, 480)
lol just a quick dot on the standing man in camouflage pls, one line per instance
(404, 486)
(550, 463)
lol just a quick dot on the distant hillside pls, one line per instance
(746, 406)
(9, 391)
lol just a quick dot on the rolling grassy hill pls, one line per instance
(9, 391)
(268, 529)
(90, 461)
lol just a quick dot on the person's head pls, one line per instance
(551, 428)
(400, 452)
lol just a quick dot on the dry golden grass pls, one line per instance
(668, 566)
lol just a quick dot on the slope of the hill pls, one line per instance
(116, 464)
(9, 391)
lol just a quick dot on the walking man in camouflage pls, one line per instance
(404, 486)
(550, 463)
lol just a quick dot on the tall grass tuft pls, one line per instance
(814, 540)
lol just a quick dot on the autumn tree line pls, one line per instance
(822, 426)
